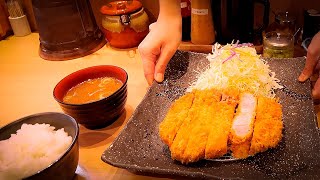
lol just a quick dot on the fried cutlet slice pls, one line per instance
(230, 95)
(242, 126)
(196, 146)
(217, 144)
(193, 132)
(177, 113)
(241, 150)
(268, 125)
(180, 141)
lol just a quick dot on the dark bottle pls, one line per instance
(186, 19)
(311, 24)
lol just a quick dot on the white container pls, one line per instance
(20, 25)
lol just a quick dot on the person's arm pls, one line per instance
(162, 41)
(312, 64)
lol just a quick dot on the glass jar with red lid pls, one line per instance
(125, 23)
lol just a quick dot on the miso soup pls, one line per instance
(92, 90)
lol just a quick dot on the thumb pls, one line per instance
(163, 60)
(304, 75)
(309, 67)
(312, 58)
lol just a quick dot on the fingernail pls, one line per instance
(302, 77)
(159, 77)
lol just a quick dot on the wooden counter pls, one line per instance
(27, 82)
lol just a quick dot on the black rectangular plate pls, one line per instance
(138, 148)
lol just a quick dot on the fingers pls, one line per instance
(148, 67)
(149, 56)
(316, 90)
(164, 58)
(148, 63)
(312, 58)
(311, 62)
(157, 49)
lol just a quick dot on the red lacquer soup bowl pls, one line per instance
(99, 113)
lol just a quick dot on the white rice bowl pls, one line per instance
(31, 149)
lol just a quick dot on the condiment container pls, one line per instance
(18, 20)
(202, 28)
(278, 45)
(284, 23)
(20, 25)
(125, 23)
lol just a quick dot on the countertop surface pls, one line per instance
(27, 86)
(27, 83)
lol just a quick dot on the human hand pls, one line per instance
(162, 41)
(312, 64)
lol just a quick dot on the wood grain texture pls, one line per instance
(30, 81)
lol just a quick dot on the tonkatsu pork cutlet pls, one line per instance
(217, 143)
(177, 113)
(242, 126)
(268, 125)
(201, 126)
(190, 141)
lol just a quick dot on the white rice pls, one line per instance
(31, 149)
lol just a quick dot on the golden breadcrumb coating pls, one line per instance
(177, 113)
(181, 140)
(268, 125)
(241, 150)
(206, 124)
(195, 149)
(217, 144)
(189, 144)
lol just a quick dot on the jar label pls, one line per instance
(200, 11)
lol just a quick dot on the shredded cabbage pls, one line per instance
(238, 66)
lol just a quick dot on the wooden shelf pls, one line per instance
(188, 46)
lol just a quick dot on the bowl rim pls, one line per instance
(91, 102)
(74, 140)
